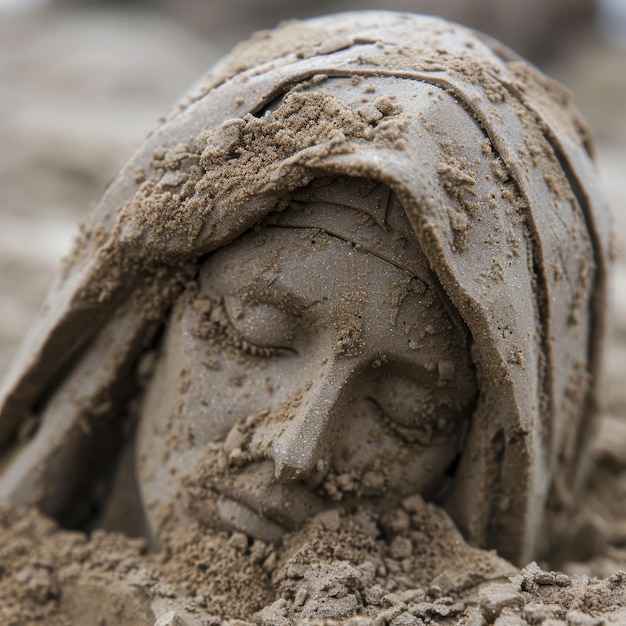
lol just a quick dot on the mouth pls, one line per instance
(240, 517)
(255, 503)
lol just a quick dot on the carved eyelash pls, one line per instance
(410, 435)
(251, 349)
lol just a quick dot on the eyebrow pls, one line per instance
(261, 290)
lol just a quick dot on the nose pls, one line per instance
(307, 438)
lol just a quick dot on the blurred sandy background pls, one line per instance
(82, 81)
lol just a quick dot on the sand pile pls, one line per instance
(408, 567)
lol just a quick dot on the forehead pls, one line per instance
(327, 291)
(303, 260)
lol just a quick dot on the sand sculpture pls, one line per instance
(362, 264)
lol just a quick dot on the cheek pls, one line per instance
(233, 396)
(364, 444)
(421, 470)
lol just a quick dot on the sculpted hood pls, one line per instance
(493, 167)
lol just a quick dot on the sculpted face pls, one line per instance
(301, 374)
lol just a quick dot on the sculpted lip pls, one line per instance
(241, 517)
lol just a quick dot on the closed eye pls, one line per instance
(261, 330)
(419, 436)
